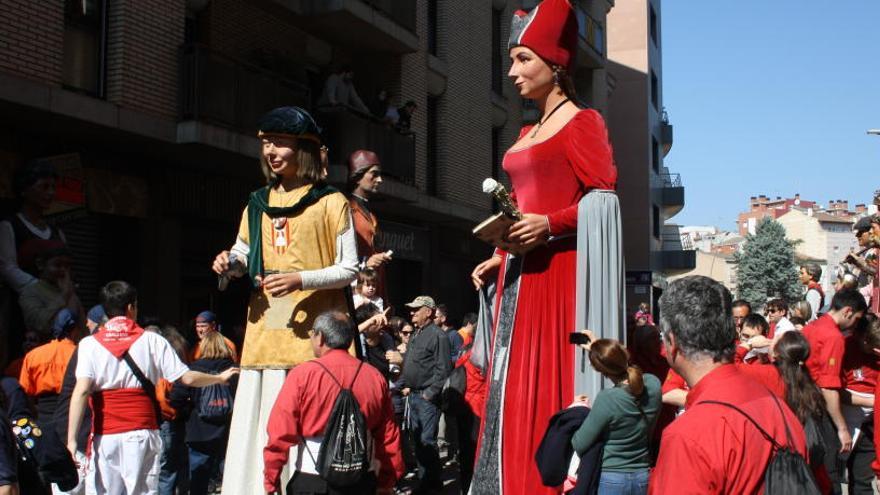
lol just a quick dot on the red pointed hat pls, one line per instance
(361, 159)
(550, 30)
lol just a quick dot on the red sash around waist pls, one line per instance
(122, 410)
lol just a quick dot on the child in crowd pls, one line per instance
(366, 290)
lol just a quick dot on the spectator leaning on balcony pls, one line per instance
(339, 90)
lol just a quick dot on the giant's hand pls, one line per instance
(378, 259)
(485, 270)
(282, 284)
(221, 263)
(531, 230)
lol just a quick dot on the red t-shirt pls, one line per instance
(673, 381)
(765, 374)
(860, 370)
(712, 449)
(303, 408)
(826, 352)
(875, 465)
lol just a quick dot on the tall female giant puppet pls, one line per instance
(563, 179)
(297, 244)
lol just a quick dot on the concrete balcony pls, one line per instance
(672, 259)
(674, 262)
(368, 25)
(345, 131)
(229, 93)
(669, 193)
(665, 134)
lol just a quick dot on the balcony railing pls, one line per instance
(345, 130)
(221, 90)
(590, 30)
(667, 180)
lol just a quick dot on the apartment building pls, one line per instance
(650, 195)
(148, 108)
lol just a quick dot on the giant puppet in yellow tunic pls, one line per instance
(277, 328)
(305, 230)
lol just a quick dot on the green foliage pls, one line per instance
(766, 267)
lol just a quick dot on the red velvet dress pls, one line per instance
(549, 178)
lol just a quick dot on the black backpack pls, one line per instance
(787, 472)
(215, 404)
(347, 448)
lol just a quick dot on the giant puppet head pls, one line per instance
(550, 30)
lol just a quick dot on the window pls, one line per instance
(655, 97)
(85, 23)
(655, 154)
(431, 147)
(432, 27)
(655, 221)
(654, 36)
(497, 66)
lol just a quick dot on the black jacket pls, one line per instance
(184, 399)
(554, 453)
(62, 409)
(426, 364)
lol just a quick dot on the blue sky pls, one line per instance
(771, 97)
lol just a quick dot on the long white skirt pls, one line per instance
(256, 394)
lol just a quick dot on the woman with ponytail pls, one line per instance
(623, 417)
(789, 379)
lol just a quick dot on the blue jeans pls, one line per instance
(618, 483)
(205, 460)
(172, 473)
(424, 416)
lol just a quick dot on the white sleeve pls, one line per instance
(84, 367)
(170, 365)
(11, 274)
(814, 299)
(241, 250)
(340, 273)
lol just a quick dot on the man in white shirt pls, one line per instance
(125, 447)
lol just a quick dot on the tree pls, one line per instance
(766, 267)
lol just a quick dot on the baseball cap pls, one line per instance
(206, 317)
(863, 225)
(422, 301)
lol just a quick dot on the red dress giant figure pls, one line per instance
(532, 368)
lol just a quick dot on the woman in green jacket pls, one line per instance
(623, 418)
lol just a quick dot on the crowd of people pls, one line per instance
(331, 391)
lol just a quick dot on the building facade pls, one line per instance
(149, 107)
(820, 236)
(650, 195)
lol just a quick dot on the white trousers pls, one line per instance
(254, 398)
(124, 463)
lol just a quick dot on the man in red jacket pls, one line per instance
(302, 409)
(712, 448)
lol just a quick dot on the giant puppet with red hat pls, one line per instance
(364, 179)
(571, 276)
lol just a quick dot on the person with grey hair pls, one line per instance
(810, 275)
(724, 407)
(302, 410)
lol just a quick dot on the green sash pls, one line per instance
(258, 204)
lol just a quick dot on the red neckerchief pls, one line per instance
(118, 334)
